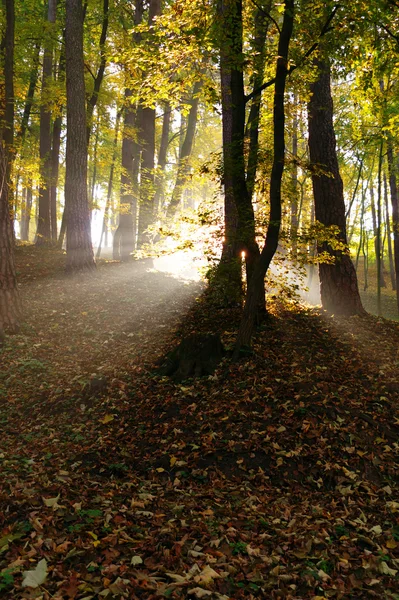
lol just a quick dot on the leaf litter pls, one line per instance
(275, 478)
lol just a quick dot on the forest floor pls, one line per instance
(277, 477)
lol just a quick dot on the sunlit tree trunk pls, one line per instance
(338, 282)
(43, 235)
(78, 238)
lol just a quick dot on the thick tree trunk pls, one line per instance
(183, 169)
(338, 281)
(233, 107)
(79, 246)
(256, 285)
(395, 212)
(9, 298)
(43, 235)
(7, 103)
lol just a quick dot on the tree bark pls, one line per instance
(241, 217)
(256, 284)
(338, 281)
(10, 306)
(43, 235)
(25, 212)
(78, 238)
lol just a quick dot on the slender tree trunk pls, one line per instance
(110, 186)
(256, 284)
(389, 240)
(395, 212)
(338, 282)
(26, 211)
(43, 235)
(377, 240)
(259, 53)
(183, 169)
(294, 204)
(55, 153)
(79, 246)
(162, 156)
(33, 78)
(92, 102)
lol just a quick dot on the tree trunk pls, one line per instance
(395, 212)
(125, 235)
(259, 54)
(377, 240)
(9, 298)
(162, 156)
(43, 235)
(92, 102)
(79, 246)
(7, 89)
(243, 239)
(55, 153)
(183, 169)
(25, 212)
(104, 228)
(389, 240)
(338, 282)
(256, 284)
(147, 139)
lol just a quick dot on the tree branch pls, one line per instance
(266, 14)
(326, 28)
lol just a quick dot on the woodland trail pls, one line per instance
(275, 478)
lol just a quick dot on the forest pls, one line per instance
(199, 299)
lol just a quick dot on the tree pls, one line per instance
(9, 297)
(338, 280)
(43, 235)
(78, 238)
(256, 283)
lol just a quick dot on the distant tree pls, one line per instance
(43, 235)
(338, 280)
(78, 234)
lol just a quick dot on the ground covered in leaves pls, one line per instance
(275, 478)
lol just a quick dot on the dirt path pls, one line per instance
(119, 318)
